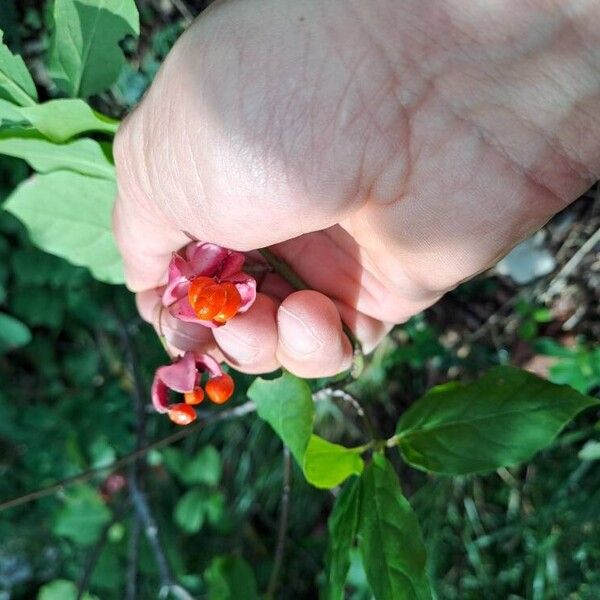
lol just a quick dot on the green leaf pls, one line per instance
(286, 404)
(551, 347)
(85, 57)
(61, 589)
(190, 510)
(327, 465)
(60, 120)
(82, 518)
(69, 215)
(342, 525)
(13, 333)
(581, 370)
(230, 578)
(499, 420)
(205, 467)
(389, 537)
(84, 156)
(214, 507)
(543, 315)
(10, 113)
(16, 84)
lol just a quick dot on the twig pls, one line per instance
(283, 524)
(571, 265)
(281, 267)
(209, 419)
(136, 467)
(204, 419)
(181, 6)
(94, 555)
(133, 555)
(345, 396)
(138, 497)
(492, 320)
(142, 510)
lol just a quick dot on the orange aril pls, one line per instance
(220, 389)
(181, 414)
(232, 304)
(195, 396)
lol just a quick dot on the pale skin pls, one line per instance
(388, 149)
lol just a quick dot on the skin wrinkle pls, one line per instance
(351, 269)
(558, 34)
(329, 134)
(578, 167)
(313, 334)
(488, 137)
(388, 82)
(417, 277)
(246, 352)
(338, 124)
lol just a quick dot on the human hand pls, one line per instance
(388, 151)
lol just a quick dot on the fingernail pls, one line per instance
(296, 337)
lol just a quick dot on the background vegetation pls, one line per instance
(75, 367)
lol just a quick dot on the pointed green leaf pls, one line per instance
(16, 84)
(13, 333)
(61, 589)
(69, 215)
(204, 467)
(287, 405)
(499, 420)
(389, 537)
(10, 114)
(230, 578)
(85, 57)
(83, 516)
(342, 525)
(60, 120)
(190, 510)
(327, 465)
(84, 156)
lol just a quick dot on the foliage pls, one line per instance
(498, 421)
(73, 356)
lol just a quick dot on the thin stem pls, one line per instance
(94, 555)
(168, 585)
(180, 5)
(138, 497)
(136, 469)
(238, 411)
(559, 279)
(142, 511)
(204, 419)
(283, 524)
(361, 449)
(393, 441)
(282, 268)
(345, 396)
(133, 556)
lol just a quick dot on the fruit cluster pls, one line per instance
(206, 285)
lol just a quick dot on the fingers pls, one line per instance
(303, 334)
(179, 335)
(249, 341)
(311, 339)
